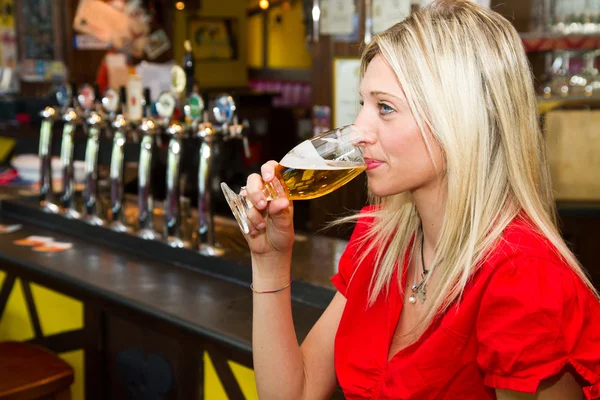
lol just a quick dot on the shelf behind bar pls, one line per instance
(537, 42)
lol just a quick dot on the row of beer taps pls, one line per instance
(108, 115)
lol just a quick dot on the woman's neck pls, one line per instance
(431, 205)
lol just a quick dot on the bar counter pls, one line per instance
(145, 301)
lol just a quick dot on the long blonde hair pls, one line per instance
(467, 80)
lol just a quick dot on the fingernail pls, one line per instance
(267, 175)
(262, 203)
(261, 225)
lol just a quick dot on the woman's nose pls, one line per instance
(367, 132)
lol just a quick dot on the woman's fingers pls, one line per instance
(254, 187)
(268, 170)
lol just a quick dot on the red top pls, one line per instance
(523, 317)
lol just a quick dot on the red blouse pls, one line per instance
(523, 317)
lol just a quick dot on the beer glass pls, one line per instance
(312, 169)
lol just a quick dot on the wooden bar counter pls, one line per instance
(139, 319)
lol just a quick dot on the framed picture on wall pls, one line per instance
(214, 39)
(346, 81)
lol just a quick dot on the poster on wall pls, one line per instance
(387, 13)
(346, 99)
(214, 38)
(8, 39)
(337, 17)
(8, 47)
(124, 26)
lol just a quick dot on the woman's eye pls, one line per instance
(384, 109)
(362, 103)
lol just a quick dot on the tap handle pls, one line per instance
(97, 95)
(66, 160)
(247, 152)
(172, 212)
(117, 189)
(205, 216)
(145, 197)
(90, 193)
(123, 99)
(147, 103)
(46, 191)
(75, 91)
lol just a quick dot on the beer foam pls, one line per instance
(305, 156)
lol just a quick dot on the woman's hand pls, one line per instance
(271, 223)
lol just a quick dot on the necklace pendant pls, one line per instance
(422, 293)
(412, 300)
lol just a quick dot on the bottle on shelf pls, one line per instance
(188, 67)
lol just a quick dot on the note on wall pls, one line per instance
(346, 81)
(37, 28)
(337, 17)
(388, 12)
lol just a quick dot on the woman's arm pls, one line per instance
(283, 369)
(561, 387)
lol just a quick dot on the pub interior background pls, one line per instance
(285, 70)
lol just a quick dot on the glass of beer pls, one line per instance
(312, 169)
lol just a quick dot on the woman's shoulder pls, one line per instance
(526, 261)
(520, 241)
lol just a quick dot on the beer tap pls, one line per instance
(96, 121)
(172, 211)
(50, 115)
(165, 107)
(117, 170)
(226, 128)
(72, 118)
(223, 109)
(149, 130)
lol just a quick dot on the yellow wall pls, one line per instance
(217, 73)
(287, 44)
(255, 41)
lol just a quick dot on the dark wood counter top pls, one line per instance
(196, 301)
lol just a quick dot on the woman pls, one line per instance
(456, 283)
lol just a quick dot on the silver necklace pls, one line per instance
(419, 289)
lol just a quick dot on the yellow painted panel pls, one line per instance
(6, 146)
(287, 39)
(16, 323)
(57, 313)
(213, 388)
(2, 276)
(255, 41)
(210, 74)
(246, 380)
(76, 360)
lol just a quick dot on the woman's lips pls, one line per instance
(372, 164)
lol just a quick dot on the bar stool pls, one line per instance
(29, 372)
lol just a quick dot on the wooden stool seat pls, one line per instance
(30, 372)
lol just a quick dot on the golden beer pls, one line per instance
(306, 184)
(312, 169)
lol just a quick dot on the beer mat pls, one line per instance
(53, 247)
(10, 228)
(33, 241)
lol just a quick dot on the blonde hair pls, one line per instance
(467, 80)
